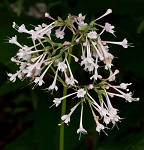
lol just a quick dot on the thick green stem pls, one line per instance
(63, 110)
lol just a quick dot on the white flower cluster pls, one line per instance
(51, 51)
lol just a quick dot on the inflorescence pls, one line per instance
(51, 50)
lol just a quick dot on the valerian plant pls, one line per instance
(53, 50)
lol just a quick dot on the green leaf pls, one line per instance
(140, 27)
(46, 124)
(132, 141)
(118, 6)
(23, 142)
(59, 19)
(8, 87)
(3, 74)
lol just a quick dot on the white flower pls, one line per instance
(89, 63)
(112, 75)
(112, 112)
(103, 112)
(59, 33)
(109, 105)
(105, 14)
(107, 119)
(13, 76)
(114, 118)
(90, 86)
(39, 80)
(47, 15)
(45, 30)
(13, 40)
(35, 35)
(66, 118)
(81, 129)
(125, 85)
(80, 21)
(96, 75)
(107, 57)
(57, 101)
(109, 28)
(99, 127)
(53, 85)
(80, 18)
(23, 54)
(48, 31)
(20, 73)
(70, 80)
(38, 28)
(127, 96)
(81, 93)
(123, 43)
(108, 61)
(34, 69)
(62, 66)
(20, 29)
(87, 60)
(23, 66)
(92, 35)
(81, 25)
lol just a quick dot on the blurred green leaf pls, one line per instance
(23, 142)
(131, 7)
(133, 141)
(140, 27)
(3, 74)
(42, 135)
(46, 124)
(16, 110)
(139, 144)
(8, 87)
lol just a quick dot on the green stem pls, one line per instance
(61, 146)
(63, 110)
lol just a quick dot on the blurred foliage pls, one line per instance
(140, 27)
(27, 122)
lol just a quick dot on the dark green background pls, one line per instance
(27, 123)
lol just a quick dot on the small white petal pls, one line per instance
(92, 35)
(81, 93)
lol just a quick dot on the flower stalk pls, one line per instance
(63, 109)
